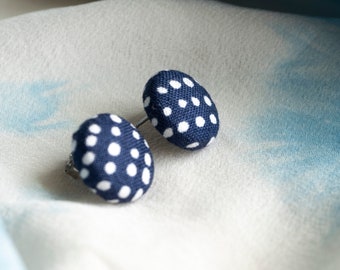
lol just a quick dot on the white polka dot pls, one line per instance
(193, 145)
(211, 140)
(74, 145)
(162, 90)
(146, 144)
(175, 84)
(188, 82)
(154, 122)
(131, 170)
(195, 101)
(124, 192)
(167, 111)
(115, 118)
(136, 135)
(113, 201)
(110, 168)
(147, 159)
(200, 121)
(182, 103)
(134, 153)
(91, 141)
(88, 158)
(115, 131)
(168, 133)
(207, 101)
(138, 194)
(146, 102)
(114, 149)
(84, 173)
(183, 127)
(94, 128)
(104, 185)
(213, 119)
(146, 176)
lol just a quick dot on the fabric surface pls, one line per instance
(9, 258)
(181, 110)
(265, 195)
(112, 158)
(10, 8)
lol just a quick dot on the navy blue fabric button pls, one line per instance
(113, 158)
(181, 109)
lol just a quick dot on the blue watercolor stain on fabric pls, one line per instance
(30, 107)
(300, 129)
(9, 258)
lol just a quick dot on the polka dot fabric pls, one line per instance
(113, 158)
(181, 109)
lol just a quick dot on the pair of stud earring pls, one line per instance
(114, 160)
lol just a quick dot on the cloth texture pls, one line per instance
(181, 109)
(112, 158)
(264, 195)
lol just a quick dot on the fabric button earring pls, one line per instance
(181, 109)
(112, 158)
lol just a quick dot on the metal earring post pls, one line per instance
(70, 169)
(142, 121)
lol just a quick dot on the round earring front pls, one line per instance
(181, 109)
(113, 159)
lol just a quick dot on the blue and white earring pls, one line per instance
(114, 160)
(181, 109)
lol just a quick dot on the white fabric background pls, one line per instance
(212, 209)
(10, 8)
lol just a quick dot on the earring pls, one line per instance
(181, 109)
(112, 158)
